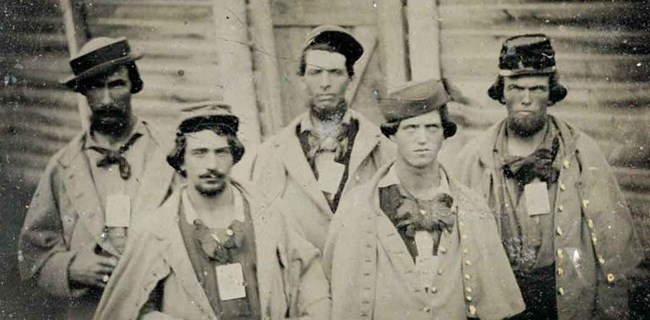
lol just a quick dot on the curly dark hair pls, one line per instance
(448, 127)
(557, 92)
(176, 157)
(349, 66)
(134, 77)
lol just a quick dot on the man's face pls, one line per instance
(109, 98)
(207, 162)
(326, 80)
(419, 139)
(527, 98)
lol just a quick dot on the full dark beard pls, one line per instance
(526, 127)
(329, 112)
(109, 122)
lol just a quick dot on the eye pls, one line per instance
(313, 72)
(337, 72)
(199, 152)
(117, 84)
(433, 127)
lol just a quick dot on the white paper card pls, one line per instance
(537, 201)
(118, 210)
(330, 174)
(230, 279)
(426, 263)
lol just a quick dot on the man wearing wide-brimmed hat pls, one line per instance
(330, 148)
(78, 221)
(216, 250)
(414, 243)
(562, 217)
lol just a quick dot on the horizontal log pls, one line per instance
(311, 13)
(176, 10)
(632, 179)
(147, 28)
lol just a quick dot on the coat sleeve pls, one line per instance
(43, 253)
(140, 270)
(307, 287)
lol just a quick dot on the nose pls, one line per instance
(421, 136)
(106, 96)
(325, 81)
(211, 161)
(525, 100)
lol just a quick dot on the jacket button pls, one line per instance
(439, 271)
(558, 231)
(560, 271)
(610, 277)
(601, 260)
(590, 223)
(562, 187)
(468, 298)
(560, 253)
(594, 239)
(443, 250)
(467, 276)
(560, 208)
(468, 263)
(434, 290)
(585, 203)
(465, 251)
(426, 309)
(468, 290)
(560, 291)
(566, 164)
(471, 309)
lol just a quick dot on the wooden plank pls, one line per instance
(266, 67)
(310, 13)
(423, 36)
(199, 30)
(288, 42)
(633, 179)
(177, 10)
(392, 42)
(366, 36)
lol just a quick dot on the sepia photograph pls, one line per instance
(325, 159)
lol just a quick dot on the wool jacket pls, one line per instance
(66, 215)
(595, 244)
(290, 277)
(373, 276)
(281, 171)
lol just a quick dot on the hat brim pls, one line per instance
(73, 81)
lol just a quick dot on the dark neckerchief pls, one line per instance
(112, 157)
(538, 164)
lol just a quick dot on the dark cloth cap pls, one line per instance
(340, 39)
(414, 99)
(527, 54)
(97, 56)
(206, 115)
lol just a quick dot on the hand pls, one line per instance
(89, 269)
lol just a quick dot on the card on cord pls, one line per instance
(118, 210)
(230, 280)
(330, 174)
(537, 201)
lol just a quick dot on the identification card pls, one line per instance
(426, 263)
(537, 201)
(118, 210)
(330, 174)
(230, 279)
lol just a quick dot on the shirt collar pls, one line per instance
(191, 215)
(92, 142)
(391, 179)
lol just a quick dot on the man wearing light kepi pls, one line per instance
(106, 177)
(313, 162)
(216, 250)
(562, 217)
(412, 243)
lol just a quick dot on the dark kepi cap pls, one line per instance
(527, 54)
(413, 99)
(340, 39)
(97, 56)
(206, 115)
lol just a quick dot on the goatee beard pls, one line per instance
(329, 113)
(112, 123)
(526, 127)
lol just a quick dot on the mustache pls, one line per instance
(213, 174)
(110, 111)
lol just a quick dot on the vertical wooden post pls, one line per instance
(392, 42)
(236, 72)
(424, 39)
(76, 32)
(265, 61)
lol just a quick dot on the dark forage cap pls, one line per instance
(338, 38)
(100, 55)
(413, 99)
(527, 54)
(206, 115)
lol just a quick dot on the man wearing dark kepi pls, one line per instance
(413, 243)
(216, 250)
(327, 150)
(563, 220)
(80, 216)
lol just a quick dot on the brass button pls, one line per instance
(229, 232)
(464, 237)
(422, 212)
(560, 271)
(558, 231)
(585, 203)
(560, 290)
(562, 187)
(443, 250)
(566, 164)
(590, 223)
(594, 239)
(465, 251)
(560, 208)
(439, 271)
(560, 253)
(461, 223)
(468, 263)
(601, 260)
(426, 309)
(434, 290)
(467, 276)
(471, 309)
(610, 277)
(468, 298)
(468, 290)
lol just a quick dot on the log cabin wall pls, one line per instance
(603, 57)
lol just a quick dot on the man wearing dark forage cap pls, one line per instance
(79, 217)
(413, 243)
(216, 250)
(330, 148)
(562, 217)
